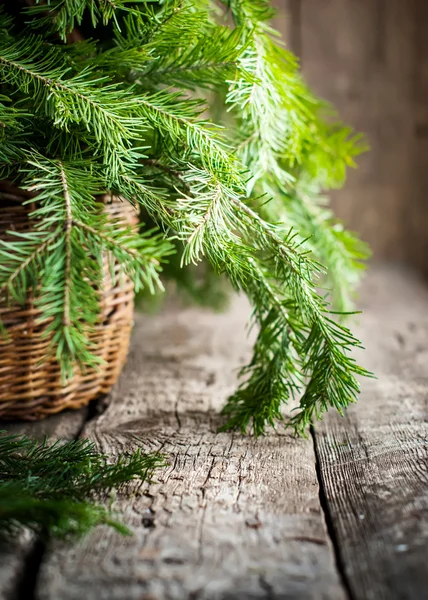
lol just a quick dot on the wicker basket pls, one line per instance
(30, 385)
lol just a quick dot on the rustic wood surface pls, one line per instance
(369, 59)
(230, 517)
(342, 515)
(374, 462)
(17, 558)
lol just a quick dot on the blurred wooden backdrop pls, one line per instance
(370, 59)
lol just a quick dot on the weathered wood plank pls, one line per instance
(12, 560)
(369, 58)
(230, 517)
(359, 56)
(419, 151)
(14, 556)
(374, 462)
(65, 425)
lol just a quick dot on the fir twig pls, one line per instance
(241, 190)
(68, 227)
(52, 488)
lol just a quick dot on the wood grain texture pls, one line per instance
(358, 55)
(369, 59)
(14, 556)
(374, 462)
(230, 517)
(65, 425)
(417, 216)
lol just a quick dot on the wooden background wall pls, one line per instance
(370, 59)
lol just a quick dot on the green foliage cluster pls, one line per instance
(51, 488)
(103, 95)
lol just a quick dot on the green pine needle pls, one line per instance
(51, 488)
(127, 110)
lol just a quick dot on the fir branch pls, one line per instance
(140, 256)
(320, 345)
(63, 519)
(51, 488)
(13, 125)
(17, 257)
(107, 113)
(194, 243)
(149, 35)
(254, 13)
(200, 183)
(176, 117)
(208, 60)
(286, 140)
(324, 236)
(9, 115)
(71, 274)
(67, 278)
(63, 16)
(68, 227)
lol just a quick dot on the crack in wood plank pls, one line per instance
(21, 559)
(374, 462)
(234, 517)
(239, 518)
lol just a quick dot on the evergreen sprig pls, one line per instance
(63, 16)
(52, 488)
(128, 111)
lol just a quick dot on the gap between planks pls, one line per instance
(235, 518)
(20, 560)
(374, 462)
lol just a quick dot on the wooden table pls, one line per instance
(343, 514)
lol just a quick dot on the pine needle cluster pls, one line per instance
(52, 488)
(194, 111)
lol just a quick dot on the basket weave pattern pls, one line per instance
(30, 379)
